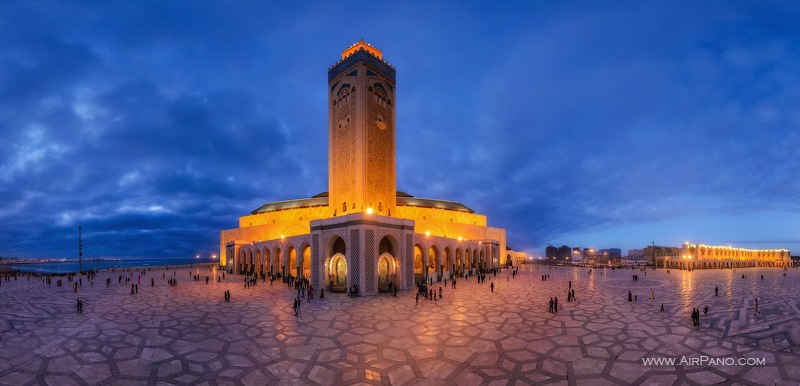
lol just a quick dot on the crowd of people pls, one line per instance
(427, 289)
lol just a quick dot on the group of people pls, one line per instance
(695, 316)
(553, 309)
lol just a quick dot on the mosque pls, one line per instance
(363, 231)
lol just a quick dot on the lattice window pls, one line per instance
(316, 263)
(354, 259)
(408, 261)
(369, 262)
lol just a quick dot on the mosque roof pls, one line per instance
(403, 199)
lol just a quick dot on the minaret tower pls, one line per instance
(361, 133)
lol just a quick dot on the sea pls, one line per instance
(71, 266)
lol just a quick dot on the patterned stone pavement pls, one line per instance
(186, 334)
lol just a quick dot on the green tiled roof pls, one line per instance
(403, 199)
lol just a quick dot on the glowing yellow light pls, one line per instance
(459, 239)
(369, 210)
(281, 236)
(427, 233)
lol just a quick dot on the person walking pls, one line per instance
(492, 286)
(550, 310)
(756, 312)
(716, 291)
(630, 296)
(294, 307)
(555, 304)
(78, 306)
(417, 297)
(651, 294)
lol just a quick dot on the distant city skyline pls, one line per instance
(156, 124)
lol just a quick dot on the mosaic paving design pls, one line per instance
(187, 335)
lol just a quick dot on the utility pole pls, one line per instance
(80, 251)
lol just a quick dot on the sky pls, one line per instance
(156, 124)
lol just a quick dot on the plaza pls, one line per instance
(187, 334)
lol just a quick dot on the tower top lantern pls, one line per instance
(362, 45)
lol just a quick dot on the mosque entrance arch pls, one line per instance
(338, 270)
(387, 272)
(239, 264)
(306, 270)
(257, 261)
(459, 265)
(337, 265)
(267, 262)
(291, 262)
(419, 275)
(387, 265)
(435, 263)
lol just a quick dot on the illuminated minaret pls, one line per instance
(361, 133)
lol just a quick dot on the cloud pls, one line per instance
(155, 125)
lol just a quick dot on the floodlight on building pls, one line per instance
(369, 210)
(427, 233)
(281, 237)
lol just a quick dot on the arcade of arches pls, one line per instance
(701, 256)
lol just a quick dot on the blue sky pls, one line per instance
(155, 124)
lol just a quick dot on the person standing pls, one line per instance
(716, 291)
(550, 310)
(756, 312)
(294, 307)
(492, 286)
(630, 296)
(555, 304)
(417, 297)
(78, 306)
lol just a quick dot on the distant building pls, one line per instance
(699, 256)
(551, 253)
(564, 253)
(635, 253)
(651, 253)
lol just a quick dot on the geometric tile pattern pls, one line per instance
(186, 334)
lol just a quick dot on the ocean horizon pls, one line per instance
(71, 265)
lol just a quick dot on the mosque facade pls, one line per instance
(363, 231)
